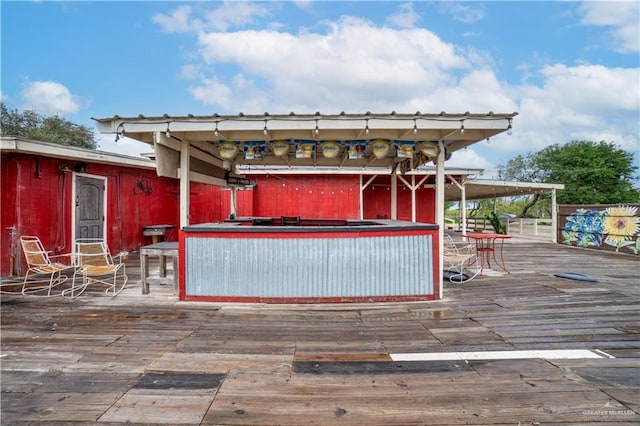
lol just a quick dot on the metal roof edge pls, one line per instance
(311, 116)
(532, 185)
(29, 146)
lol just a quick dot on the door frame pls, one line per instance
(74, 194)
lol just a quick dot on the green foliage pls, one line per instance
(498, 226)
(593, 173)
(55, 129)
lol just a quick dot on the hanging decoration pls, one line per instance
(404, 149)
(253, 151)
(280, 148)
(380, 148)
(429, 149)
(356, 150)
(228, 150)
(305, 150)
(330, 149)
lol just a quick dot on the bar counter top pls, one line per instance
(274, 224)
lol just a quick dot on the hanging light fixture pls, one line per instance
(317, 129)
(509, 129)
(366, 127)
(265, 131)
(168, 131)
(415, 126)
(461, 127)
(215, 131)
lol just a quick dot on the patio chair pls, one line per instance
(39, 262)
(94, 264)
(458, 259)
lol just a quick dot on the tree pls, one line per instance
(55, 129)
(593, 173)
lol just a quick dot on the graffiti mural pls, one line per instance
(613, 227)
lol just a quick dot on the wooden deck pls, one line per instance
(154, 360)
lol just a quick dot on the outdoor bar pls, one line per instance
(310, 261)
(326, 259)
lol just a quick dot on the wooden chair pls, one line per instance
(94, 264)
(458, 259)
(39, 262)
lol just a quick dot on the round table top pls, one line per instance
(481, 236)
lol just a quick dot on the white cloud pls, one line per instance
(468, 158)
(229, 14)
(588, 102)
(124, 146)
(49, 97)
(621, 16)
(354, 65)
(178, 21)
(463, 12)
(405, 18)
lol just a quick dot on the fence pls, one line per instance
(523, 227)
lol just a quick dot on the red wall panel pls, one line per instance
(310, 196)
(377, 201)
(37, 200)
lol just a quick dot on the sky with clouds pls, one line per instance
(570, 69)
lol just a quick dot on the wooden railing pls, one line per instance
(525, 227)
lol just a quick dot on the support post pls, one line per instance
(440, 211)
(554, 217)
(413, 198)
(184, 183)
(394, 195)
(361, 199)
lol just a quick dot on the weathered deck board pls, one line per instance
(86, 361)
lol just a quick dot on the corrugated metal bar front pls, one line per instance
(309, 267)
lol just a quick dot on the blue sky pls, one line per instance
(570, 69)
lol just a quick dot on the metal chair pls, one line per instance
(457, 259)
(94, 264)
(40, 262)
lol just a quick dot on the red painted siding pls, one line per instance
(377, 201)
(36, 200)
(312, 196)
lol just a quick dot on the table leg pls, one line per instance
(176, 281)
(500, 262)
(144, 273)
(163, 266)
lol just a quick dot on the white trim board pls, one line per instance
(497, 355)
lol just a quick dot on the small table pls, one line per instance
(157, 232)
(486, 249)
(163, 250)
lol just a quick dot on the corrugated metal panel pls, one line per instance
(312, 267)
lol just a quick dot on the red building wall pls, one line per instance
(36, 200)
(310, 196)
(377, 201)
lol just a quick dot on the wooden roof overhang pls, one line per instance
(206, 135)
